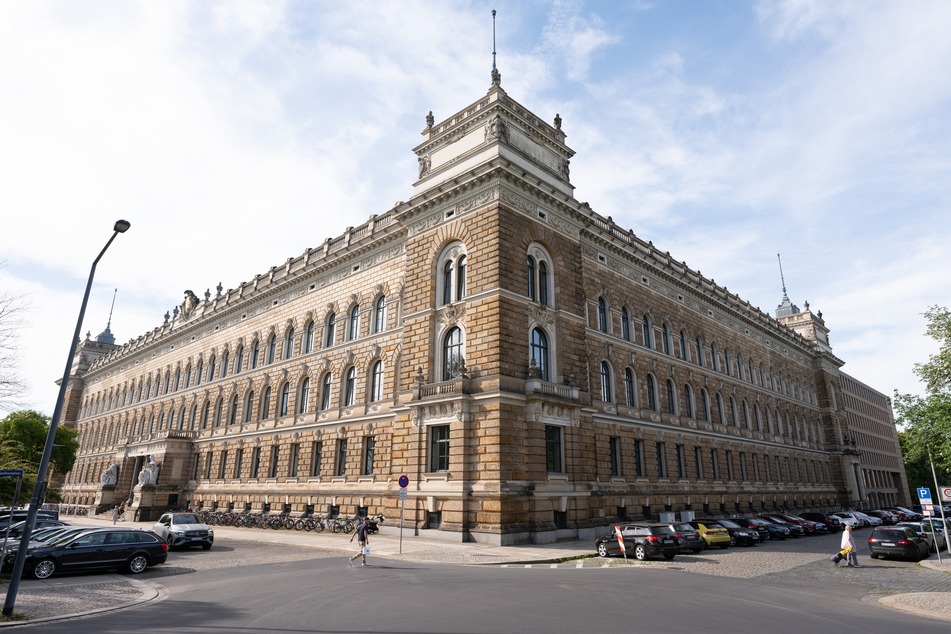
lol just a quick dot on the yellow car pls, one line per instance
(713, 534)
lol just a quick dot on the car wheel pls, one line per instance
(137, 563)
(602, 550)
(668, 556)
(170, 541)
(43, 569)
(640, 553)
(206, 546)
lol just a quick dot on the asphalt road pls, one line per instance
(308, 590)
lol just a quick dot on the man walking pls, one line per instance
(361, 535)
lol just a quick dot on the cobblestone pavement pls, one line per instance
(922, 588)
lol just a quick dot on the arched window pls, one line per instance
(193, 419)
(353, 323)
(330, 330)
(721, 415)
(543, 283)
(537, 272)
(248, 402)
(255, 355)
(715, 357)
(688, 399)
(376, 381)
(726, 362)
(289, 344)
(285, 399)
(219, 406)
(704, 412)
(233, 412)
(606, 391)
(211, 368)
(652, 400)
(453, 354)
(265, 403)
(734, 414)
(205, 415)
(625, 324)
(239, 360)
(303, 398)
(648, 332)
(671, 397)
(684, 351)
(759, 418)
(539, 354)
(630, 388)
(699, 352)
(667, 343)
(379, 314)
(271, 353)
(739, 367)
(602, 315)
(532, 279)
(752, 374)
(309, 330)
(326, 387)
(350, 387)
(746, 415)
(452, 265)
(181, 418)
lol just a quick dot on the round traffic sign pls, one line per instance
(404, 481)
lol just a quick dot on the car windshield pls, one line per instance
(728, 524)
(185, 518)
(685, 528)
(660, 530)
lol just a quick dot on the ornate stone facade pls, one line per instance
(536, 370)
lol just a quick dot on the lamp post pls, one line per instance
(39, 490)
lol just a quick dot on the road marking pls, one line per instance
(580, 564)
(554, 566)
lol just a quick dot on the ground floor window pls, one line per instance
(439, 448)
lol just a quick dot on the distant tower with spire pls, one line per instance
(808, 324)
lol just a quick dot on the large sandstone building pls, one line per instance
(534, 369)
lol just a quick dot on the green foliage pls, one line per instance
(936, 373)
(22, 440)
(927, 426)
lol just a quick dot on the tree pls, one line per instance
(22, 440)
(11, 386)
(936, 373)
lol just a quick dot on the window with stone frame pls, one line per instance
(538, 265)
(639, 465)
(607, 393)
(539, 361)
(453, 354)
(369, 454)
(376, 381)
(438, 448)
(630, 388)
(249, 406)
(294, 460)
(289, 340)
(341, 457)
(265, 404)
(350, 387)
(270, 354)
(661, 449)
(233, 411)
(614, 450)
(353, 323)
(255, 462)
(275, 461)
(326, 390)
(451, 284)
(625, 324)
(316, 458)
(330, 330)
(255, 354)
(309, 332)
(303, 396)
(379, 314)
(284, 403)
(554, 449)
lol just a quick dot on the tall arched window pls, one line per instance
(233, 412)
(205, 415)
(539, 354)
(668, 344)
(630, 388)
(739, 367)
(376, 381)
(671, 397)
(239, 360)
(625, 324)
(684, 350)
(193, 419)
(699, 352)
(746, 415)
(326, 387)
(289, 344)
(704, 412)
(648, 332)
(285, 399)
(543, 283)
(303, 398)
(309, 331)
(652, 400)
(721, 415)
(602, 315)
(688, 399)
(353, 323)
(266, 403)
(255, 355)
(350, 387)
(181, 418)
(271, 353)
(211, 369)
(379, 314)
(248, 403)
(537, 271)
(715, 357)
(532, 279)
(606, 391)
(219, 407)
(330, 330)
(453, 354)
(452, 265)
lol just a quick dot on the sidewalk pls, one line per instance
(62, 597)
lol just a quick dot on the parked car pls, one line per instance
(935, 535)
(897, 541)
(14, 516)
(690, 540)
(831, 522)
(640, 541)
(795, 530)
(17, 529)
(129, 549)
(184, 529)
(888, 518)
(871, 519)
(809, 527)
(712, 533)
(776, 531)
(910, 516)
(749, 524)
(739, 535)
(850, 519)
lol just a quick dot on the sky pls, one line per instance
(234, 135)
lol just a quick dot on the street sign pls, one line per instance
(945, 494)
(404, 481)
(15, 473)
(402, 494)
(924, 495)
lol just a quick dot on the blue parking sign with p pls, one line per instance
(924, 493)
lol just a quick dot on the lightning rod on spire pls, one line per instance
(111, 308)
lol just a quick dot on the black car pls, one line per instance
(831, 522)
(129, 549)
(690, 540)
(17, 529)
(739, 535)
(641, 541)
(795, 530)
(760, 527)
(897, 541)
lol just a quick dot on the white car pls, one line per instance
(936, 538)
(871, 519)
(848, 519)
(184, 529)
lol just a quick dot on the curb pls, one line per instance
(148, 592)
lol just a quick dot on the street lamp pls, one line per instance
(39, 490)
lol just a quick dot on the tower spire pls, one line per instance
(781, 278)
(106, 335)
(785, 307)
(496, 76)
